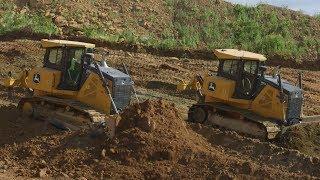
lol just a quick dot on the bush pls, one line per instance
(188, 36)
(128, 36)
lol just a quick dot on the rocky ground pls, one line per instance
(153, 140)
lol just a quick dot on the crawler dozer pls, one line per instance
(241, 97)
(73, 90)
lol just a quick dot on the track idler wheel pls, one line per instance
(197, 114)
(27, 109)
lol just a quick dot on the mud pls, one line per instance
(303, 137)
(267, 153)
(153, 140)
(161, 85)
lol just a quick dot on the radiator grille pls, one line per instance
(294, 106)
(122, 96)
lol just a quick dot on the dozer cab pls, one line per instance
(241, 97)
(72, 90)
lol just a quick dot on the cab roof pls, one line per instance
(46, 43)
(235, 54)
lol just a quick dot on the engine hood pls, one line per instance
(116, 76)
(287, 87)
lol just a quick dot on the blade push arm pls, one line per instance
(19, 82)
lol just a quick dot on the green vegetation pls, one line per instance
(246, 29)
(317, 16)
(192, 26)
(12, 21)
(37, 23)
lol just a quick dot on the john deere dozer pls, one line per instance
(242, 98)
(72, 90)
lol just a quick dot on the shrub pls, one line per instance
(188, 36)
(128, 36)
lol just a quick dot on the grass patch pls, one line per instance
(317, 16)
(11, 21)
(249, 28)
(193, 26)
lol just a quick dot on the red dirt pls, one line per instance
(169, 149)
(153, 141)
(303, 137)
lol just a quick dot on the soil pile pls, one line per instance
(265, 153)
(153, 135)
(303, 137)
(152, 141)
(153, 130)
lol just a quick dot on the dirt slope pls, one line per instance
(305, 138)
(180, 24)
(152, 142)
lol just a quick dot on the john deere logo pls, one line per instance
(212, 86)
(36, 78)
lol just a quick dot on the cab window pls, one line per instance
(250, 67)
(230, 68)
(53, 58)
(74, 67)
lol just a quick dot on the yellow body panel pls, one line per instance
(93, 93)
(45, 81)
(224, 90)
(49, 80)
(268, 104)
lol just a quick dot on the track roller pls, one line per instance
(26, 109)
(198, 114)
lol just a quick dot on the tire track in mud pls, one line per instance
(265, 153)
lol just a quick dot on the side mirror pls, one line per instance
(88, 58)
(262, 69)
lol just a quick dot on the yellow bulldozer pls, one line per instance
(241, 97)
(73, 90)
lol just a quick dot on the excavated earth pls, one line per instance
(153, 140)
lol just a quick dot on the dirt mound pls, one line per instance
(152, 141)
(303, 137)
(153, 131)
(262, 152)
(16, 56)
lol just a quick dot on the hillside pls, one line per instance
(161, 42)
(171, 24)
(170, 148)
